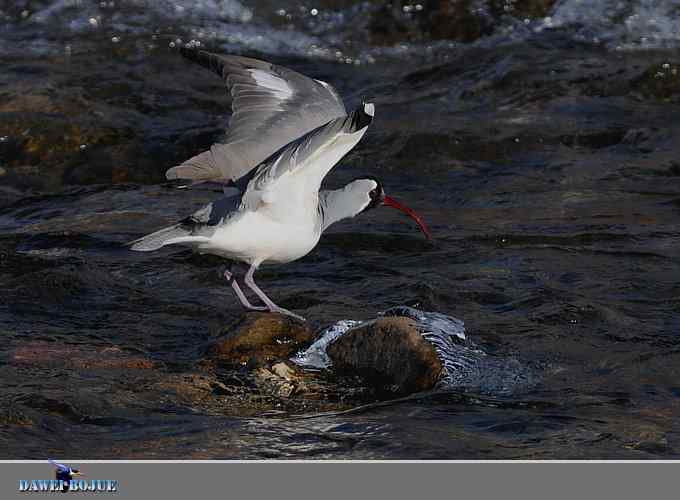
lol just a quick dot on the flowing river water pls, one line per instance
(536, 138)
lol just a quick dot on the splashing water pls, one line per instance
(465, 365)
(619, 25)
(315, 357)
(457, 353)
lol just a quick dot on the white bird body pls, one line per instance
(265, 235)
(286, 133)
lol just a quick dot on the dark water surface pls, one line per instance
(540, 140)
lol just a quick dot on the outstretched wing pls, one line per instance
(271, 106)
(296, 171)
(59, 466)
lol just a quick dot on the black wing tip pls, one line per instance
(362, 116)
(222, 64)
(203, 57)
(192, 52)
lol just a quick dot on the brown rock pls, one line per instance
(112, 357)
(660, 81)
(73, 356)
(459, 20)
(285, 380)
(190, 388)
(275, 384)
(388, 352)
(455, 21)
(259, 339)
(13, 417)
(284, 371)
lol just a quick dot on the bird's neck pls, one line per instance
(335, 206)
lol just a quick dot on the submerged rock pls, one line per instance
(10, 416)
(281, 379)
(388, 352)
(259, 339)
(398, 22)
(190, 388)
(407, 350)
(78, 357)
(659, 81)
(459, 20)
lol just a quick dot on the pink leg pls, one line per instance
(270, 304)
(239, 293)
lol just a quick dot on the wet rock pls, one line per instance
(643, 139)
(284, 370)
(299, 387)
(455, 20)
(112, 357)
(54, 404)
(521, 8)
(42, 129)
(280, 380)
(78, 357)
(660, 81)
(70, 138)
(399, 22)
(278, 389)
(388, 353)
(458, 20)
(259, 339)
(14, 417)
(190, 388)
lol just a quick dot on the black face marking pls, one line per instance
(376, 194)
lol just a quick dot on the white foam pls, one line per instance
(315, 356)
(618, 25)
(233, 27)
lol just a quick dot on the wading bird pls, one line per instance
(286, 132)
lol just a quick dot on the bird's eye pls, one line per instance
(373, 193)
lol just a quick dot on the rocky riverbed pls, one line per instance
(264, 363)
(536, 138)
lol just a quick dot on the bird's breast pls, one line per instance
(256, 237)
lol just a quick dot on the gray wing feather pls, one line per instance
(271, 106)
(329, 142)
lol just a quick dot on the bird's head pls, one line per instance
(369, 193)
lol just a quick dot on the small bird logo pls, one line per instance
(64, 473)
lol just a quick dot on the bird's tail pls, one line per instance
(162, 237)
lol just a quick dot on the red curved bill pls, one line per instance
(391, 202)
